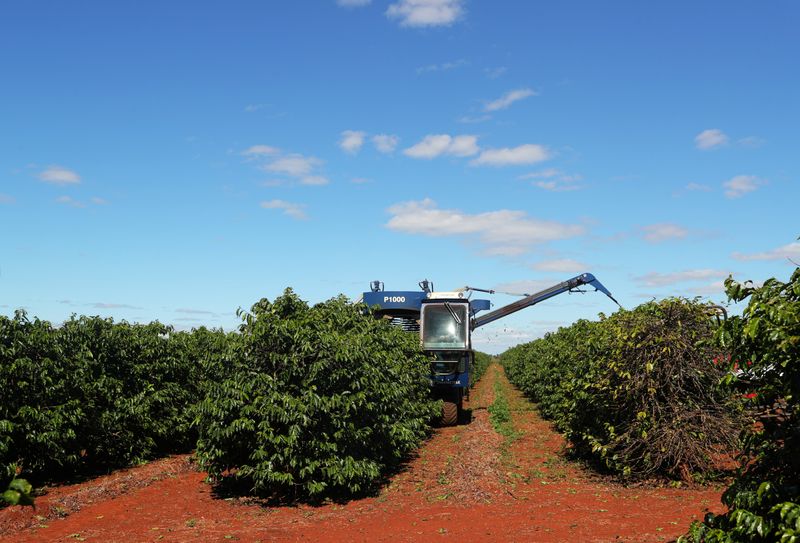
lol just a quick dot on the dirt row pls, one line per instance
(468, 483)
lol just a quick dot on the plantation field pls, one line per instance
(467, 483)
(315, 423)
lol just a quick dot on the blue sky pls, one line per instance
(178, 160)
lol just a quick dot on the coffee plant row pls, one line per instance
(93, 394)
(479, 366)
(302, 401)
(316, 401)
(764, 343)
(637, 392)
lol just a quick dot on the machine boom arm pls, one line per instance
(555, 290)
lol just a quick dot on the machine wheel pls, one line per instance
(449, 413)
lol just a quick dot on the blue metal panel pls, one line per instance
(479, 305)
(395, 300)
(458, 380)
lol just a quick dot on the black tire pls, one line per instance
(449, 413)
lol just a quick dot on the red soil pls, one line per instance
(466, 484)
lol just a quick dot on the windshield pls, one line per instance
(444, 326)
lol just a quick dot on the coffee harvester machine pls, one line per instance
(445, 321)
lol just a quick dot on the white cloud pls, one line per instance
(59, 176)
(302, 168)
(711, 138)
(260, 150)
(557, 185)
(710, 289)
(351, 141)
(494, 73)
(250, 108)
(512, 156)
(6, 199)
(547, 173)
(463, 146)
(561, 265)
(314, 180)
(353, 3)
(360, 180)
(656, 233)
(72, 202)
(385, 143)
(104, 305)
(435, 145)
(789, 251)
(419, 13)
(502, 232)
(554, 180)
(190, 311)
(295, 165)
(509, 98)
(443, 67)
(69, 201)
(467, 119)
(751, 142)
(657, 279)
(740, 185)
(697, 187)
(296, 211)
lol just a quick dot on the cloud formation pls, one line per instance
(443, 67)
(657, 279)
(554, 180)
(509, 98)
(740, 185)
(296, 211)
(190, 311)
(104, 305)
(260, 150)
(353, 3)
(436, 145)
(72, 202)
(351, 141)
(656, 233)
(502, 232)
(789, 251)
(69, 201)
(529, 153)
(302, 168)
(422, 13)
(560, 265)
(710, 139)
(59, 176)
(385, 143)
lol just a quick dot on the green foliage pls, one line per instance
(637, 391)
(94, 394)
(764, 500)
(317, 401)
(18, 493)
(499, 412)
(479, 366)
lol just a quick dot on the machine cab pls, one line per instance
(445, 325)
(445, 335)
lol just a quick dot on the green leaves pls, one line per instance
(18, 493)
(625, 386)
(764, 343)
(96, 394)
(317, 401)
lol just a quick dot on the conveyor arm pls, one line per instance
(555, 290)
